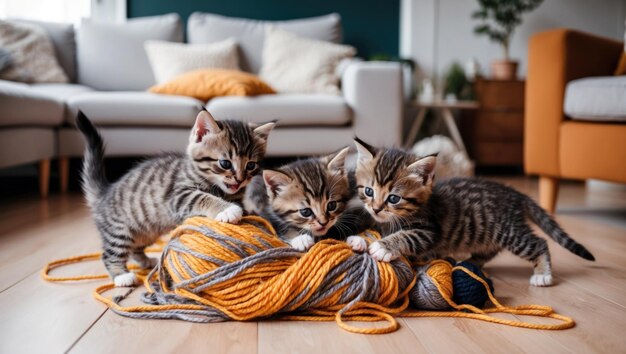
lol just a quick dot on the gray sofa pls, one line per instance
(110, 73)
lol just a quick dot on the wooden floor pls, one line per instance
(40, 317)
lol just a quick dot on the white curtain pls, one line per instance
(66, 11)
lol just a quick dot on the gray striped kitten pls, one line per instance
(460, 215)
(161, 192)
(306, 200)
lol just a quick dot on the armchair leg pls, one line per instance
(548, 192)
(44, 177)
(64, 173)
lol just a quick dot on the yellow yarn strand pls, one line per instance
(281, 286)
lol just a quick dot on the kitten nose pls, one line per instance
(378, 210)
(322, 223)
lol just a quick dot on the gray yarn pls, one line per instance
(425, 294)
(361, 279)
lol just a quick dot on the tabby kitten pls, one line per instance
(161, 192)
(305, 200)
(458, 215)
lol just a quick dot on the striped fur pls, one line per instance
(281, 195)
(161, 192)
(456, 216)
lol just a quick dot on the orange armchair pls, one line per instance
(556, 147)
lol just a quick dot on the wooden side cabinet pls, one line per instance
(494, 134)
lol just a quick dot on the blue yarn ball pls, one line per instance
(468, 290)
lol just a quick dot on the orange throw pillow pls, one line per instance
(621, 67)
(205, 84)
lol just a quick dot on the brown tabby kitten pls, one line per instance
(465, 215)
(305, 200)
(159, 193)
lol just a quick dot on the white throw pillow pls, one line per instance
(169, 59)
(301, 65)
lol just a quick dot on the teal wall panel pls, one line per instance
(372, 26)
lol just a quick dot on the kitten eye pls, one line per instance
(369, 192)
(306, 212)
(225, 164)
(393, 199)
(332, 205)
(250, 166)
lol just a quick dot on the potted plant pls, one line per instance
(498, 20)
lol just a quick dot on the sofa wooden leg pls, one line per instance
(64, 173)
(44, 177)
(548, 192)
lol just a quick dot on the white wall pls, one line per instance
(437, 32)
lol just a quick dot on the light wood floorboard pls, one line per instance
(40, 317)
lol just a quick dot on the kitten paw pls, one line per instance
(541, 280)
(357, 243)
(126, 279)
(380, 253)
(231, 215)
(302, 243)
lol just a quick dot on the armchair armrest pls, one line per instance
(554, 58)
(374, 92)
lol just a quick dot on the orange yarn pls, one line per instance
(283, 285)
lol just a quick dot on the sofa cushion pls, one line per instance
(63, 39)
(288, 109)
(597, 99)
(135, 109)
(20, 105)
(60, 92)
(209, 28)
(112, 56)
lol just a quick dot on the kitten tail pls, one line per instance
(552, 229)
(92, 175)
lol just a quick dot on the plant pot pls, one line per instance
(504, 69)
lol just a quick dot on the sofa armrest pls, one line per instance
(554, 58)
(374, 92)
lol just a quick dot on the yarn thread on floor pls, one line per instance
(211, 272)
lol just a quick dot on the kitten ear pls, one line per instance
(205, 123)
(365, 151)
(424, 167)
(275, 181)
(336, 161)
(263, 131)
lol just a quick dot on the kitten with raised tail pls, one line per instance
(161, 192)
(460, 215)
(306, 200)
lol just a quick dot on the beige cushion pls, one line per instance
(20, 105)
(295, 64)
(288, 109)
(63, 38)
(169, 60)
(32, 54)
(250, 34)
(135, 109)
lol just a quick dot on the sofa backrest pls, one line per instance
(63, 39)
(250, 34)
(112, 56)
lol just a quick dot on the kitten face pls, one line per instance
(309, 194)
(227, 152)
(392, 184)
